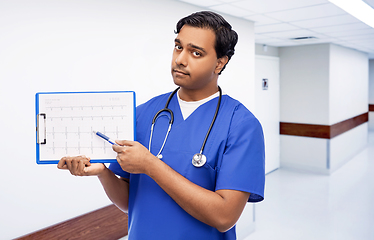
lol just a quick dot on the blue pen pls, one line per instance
(105, 138)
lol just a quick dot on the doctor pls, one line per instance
(166, 194)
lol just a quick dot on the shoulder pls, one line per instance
(153, 102)
(240, 114)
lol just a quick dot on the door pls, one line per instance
(267, 107)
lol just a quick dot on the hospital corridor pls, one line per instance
(308, 206)
(303, 69)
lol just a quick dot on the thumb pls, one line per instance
(94, 169)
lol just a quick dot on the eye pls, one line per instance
(196, 54)
(178, 48)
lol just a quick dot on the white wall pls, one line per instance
(371, 121)
(238, 77)
(348, 89)
(371, 93)
(371, 81)
(322, 84)
(304, 74)
(348, 97)
(347, 145)
(304, 153)
(82, 45)
(265, 50)
(304, 97)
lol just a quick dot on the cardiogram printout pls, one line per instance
(66, 123)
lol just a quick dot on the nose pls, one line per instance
(181, 58)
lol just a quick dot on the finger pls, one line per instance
(81, 167)
(84, 159)
(75, 165)
(68, 161)
(78, 164)
(125, 142)
(94, 169)
(88, 163)
(86, 170)
(118, 149)
(62, 164)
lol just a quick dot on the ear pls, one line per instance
(221, 62)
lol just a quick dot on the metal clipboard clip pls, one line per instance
(41, 128)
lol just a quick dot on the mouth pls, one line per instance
(177, 71)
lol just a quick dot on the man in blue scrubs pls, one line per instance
(169, 197)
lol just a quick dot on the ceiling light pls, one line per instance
(303, 38)
(358, 9)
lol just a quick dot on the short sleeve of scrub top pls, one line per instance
(243, 163)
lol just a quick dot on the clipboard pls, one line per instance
(66, 121)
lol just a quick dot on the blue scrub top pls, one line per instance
(235, 160)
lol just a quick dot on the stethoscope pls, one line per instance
(199, 159)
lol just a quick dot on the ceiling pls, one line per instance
(279, 22)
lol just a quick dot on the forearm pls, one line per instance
(115, 188)
(213, 208)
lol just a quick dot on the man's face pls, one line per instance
(194, 64)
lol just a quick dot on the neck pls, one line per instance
(190, 95)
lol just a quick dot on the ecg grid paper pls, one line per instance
(71, 118)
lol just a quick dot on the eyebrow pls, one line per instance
(191, 45)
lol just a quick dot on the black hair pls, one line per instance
(226, 38)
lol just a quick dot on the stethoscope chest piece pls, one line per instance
(198, 160)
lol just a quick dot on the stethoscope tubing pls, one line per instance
(172, 120)
(213, 121)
